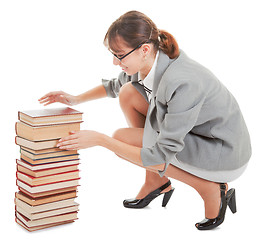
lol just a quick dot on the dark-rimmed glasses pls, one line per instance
(121, 58)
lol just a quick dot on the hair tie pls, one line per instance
(159, 33)
(151, 34)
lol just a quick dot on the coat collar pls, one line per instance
(162, 64)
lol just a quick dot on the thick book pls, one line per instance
(46, 206)
(45, 166)
(50, 213)
(38, 181)
(50, 116)
(46, 221)
(46, 199)
(39, 145)
(47, 132)
(47, 187)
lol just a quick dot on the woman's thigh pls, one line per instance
(133, 105)
(132, 136)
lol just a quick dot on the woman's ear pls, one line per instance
(146, 48)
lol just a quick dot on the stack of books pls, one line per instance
(47, 177)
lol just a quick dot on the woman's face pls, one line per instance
(132, 63)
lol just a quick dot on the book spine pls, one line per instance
(16, 128)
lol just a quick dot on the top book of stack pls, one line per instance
(50, 116)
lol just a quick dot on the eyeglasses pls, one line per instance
(122, 57)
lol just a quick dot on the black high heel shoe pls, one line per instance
(228, 199)
(141, 203)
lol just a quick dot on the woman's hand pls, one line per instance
(79, 140)
(58, 96)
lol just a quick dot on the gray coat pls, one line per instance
(193, 121)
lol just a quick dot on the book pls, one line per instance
(50, 116)
(46, 199)
(54, 152)
(46, 206)
(46, 132)
(49, 160)
(50, 213)
(47, 187)
(39, 145)
(46, 221)
(55, 178)
(51, 151)
(44, 166)
(31, 229)
(49, 193)
(46, 172)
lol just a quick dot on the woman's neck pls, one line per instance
(147, 67)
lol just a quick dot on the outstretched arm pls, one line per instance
(65, 98)
(86, 139)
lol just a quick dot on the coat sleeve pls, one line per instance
(114, 85)
(182, 105)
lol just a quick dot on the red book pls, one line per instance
(37, 181)
(46, 172)
(47, 187)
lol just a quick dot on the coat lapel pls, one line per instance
(162, 64)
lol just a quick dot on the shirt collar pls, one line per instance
(148, 80)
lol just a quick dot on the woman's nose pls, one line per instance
(116, 61)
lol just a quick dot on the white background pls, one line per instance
(58, 45)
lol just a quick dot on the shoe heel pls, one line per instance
(232, 200)
(167, 197)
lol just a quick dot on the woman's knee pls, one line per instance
(132, 136)
(130, 98)
(118, 134)
(126, 93)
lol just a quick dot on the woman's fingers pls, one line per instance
(70, 142)
(50, 94)
(73, 135)
(52, 97)
(46, 101)
(70, 147)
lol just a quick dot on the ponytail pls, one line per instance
(168, 44)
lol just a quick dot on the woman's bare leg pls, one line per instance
(135, 108)
(208, 190)
(133, 105)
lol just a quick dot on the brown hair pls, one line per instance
(135, 28)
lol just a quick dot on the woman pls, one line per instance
(183, 123)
